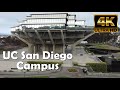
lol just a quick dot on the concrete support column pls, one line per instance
(73, 50)
(62, 36)
(30, 48)
(53, 48)
(35, 48)
(63, 48)
(43, 48)
(59, 48)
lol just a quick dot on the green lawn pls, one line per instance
(38, 77)
(72, 70)
(105, 46)
(63, 77)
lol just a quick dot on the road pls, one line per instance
(57, 74)
(51, 74)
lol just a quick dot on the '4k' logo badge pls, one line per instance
(106, 23)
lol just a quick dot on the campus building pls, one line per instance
(57, 32)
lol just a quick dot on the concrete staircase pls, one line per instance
(89, 35)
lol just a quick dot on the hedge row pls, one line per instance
(75, 64)
(72, 70)
(98, 67)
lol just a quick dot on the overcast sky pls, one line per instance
(9, 19)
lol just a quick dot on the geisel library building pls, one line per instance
(57, 32)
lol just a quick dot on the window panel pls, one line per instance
(49, 16)
(80, 23)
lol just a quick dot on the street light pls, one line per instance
(24, 71)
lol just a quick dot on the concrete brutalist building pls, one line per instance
(57, 32)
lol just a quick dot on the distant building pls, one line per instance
(3, 36)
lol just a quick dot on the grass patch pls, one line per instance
(33, 77)
(39, 77)
(118, 59)
(63, 77)
(45, 62)
(98, 67)
(72, 70)
(103, 46)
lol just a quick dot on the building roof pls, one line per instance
(48, 13)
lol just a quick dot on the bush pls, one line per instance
(75, 64)
(98, 67)
(72, 70)
(5, 71)
(45, 62)
(11, 71)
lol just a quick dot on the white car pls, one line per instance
(83, 42)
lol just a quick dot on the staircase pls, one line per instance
(89, 35)
(79, 41)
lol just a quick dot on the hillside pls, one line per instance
(9, 43)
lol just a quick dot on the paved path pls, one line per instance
(102, 75)
(18, 55)
(82, 57)
(8, 64)
(67, 63)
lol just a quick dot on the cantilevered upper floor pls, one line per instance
(49, 21)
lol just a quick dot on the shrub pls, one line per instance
(11, 71)
(98, 67)
(75, 64)
(5, 71)
(72, 70)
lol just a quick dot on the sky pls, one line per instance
(10, 19)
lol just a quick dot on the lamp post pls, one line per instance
(24, 71)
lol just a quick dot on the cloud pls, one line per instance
(2, 20)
